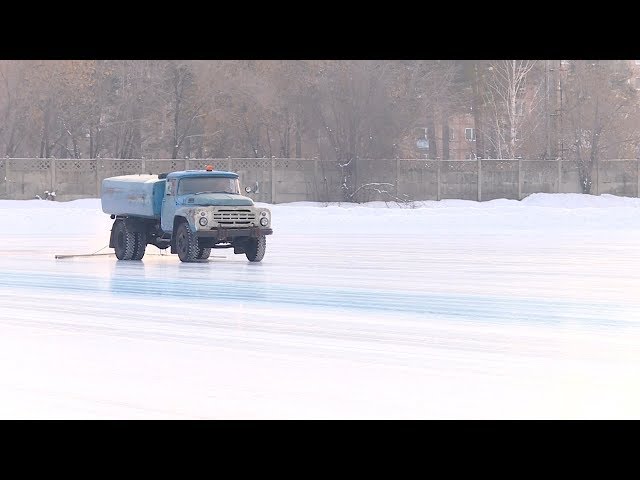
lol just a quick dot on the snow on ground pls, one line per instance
(450, 309)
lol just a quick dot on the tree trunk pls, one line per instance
(511, 152)
(431, 137)
(91, 152)
(269, 143)
(176, 115)
(445, 139)
(44, 142)
(477, 112)
(298, 142)
(76, 151)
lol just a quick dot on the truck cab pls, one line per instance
(190, 212)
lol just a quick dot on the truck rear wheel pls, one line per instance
(186, 243)
(256, 248)
(124, 241)
(203, 253)
(141, 245)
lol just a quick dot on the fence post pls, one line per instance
(143, 166)
(273, 181)
(315, 179)
(53, 175)
(186, 164)
(597, 177)
(397, 176)
(559, 175)
(230, 164)
(519, 179)
(7, 173)
(438, 177)
(479, 179)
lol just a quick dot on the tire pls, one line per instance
(203, 253)
(124, 241)
(141, 245)
(186, 243)
(255, 249)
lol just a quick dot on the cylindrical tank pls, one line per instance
(133, 195)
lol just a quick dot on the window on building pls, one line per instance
(422, 144)
(451, 134)
(470, 134)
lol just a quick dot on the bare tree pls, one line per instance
(286, 104)
(347, 111)
(354, 114)
(422, 93)
(57, 94)
(600, 115)
(510, 98)
(13, 106)
(185, 106)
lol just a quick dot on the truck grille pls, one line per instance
(234, 217)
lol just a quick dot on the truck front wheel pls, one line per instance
(125, 241)
(203, 253)
(186, 243)
(255, 248)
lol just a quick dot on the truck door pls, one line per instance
(169, 205)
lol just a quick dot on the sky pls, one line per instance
(448, 310)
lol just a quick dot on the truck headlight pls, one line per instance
(264, 221)
(203, 221)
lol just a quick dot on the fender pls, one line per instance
(188, 213)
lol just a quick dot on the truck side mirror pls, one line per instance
(253, 189)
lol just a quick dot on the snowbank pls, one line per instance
(539, 212)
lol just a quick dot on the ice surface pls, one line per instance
(451, 309)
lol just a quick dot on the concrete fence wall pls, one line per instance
(281, 180)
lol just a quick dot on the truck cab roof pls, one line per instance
(198, 173)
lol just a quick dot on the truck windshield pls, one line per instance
(208, 185)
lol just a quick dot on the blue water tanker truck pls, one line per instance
(190, 211)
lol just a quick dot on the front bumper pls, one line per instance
(222, 233)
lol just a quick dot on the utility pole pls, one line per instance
(557, 104)
(560, 113)
(547, 113)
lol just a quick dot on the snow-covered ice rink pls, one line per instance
(450, 310)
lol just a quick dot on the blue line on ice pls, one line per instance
(475, 308)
